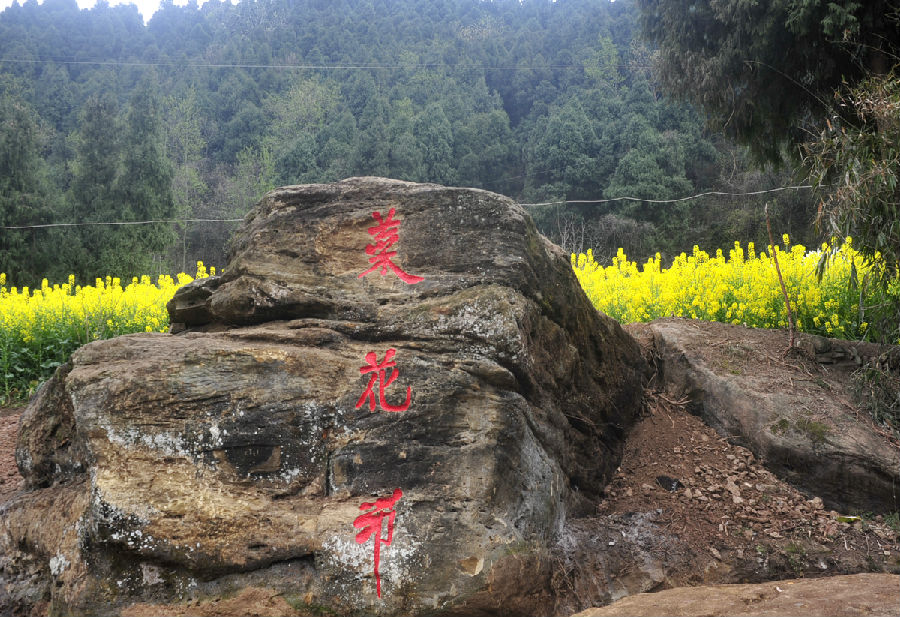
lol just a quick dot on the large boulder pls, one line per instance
(389, 404)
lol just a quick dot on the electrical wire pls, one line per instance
(46, 225)
(669, 201)
(316, 67)
(526, 205)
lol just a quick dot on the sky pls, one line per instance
(145, 7)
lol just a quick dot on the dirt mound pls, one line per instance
(686, 508)
(742, 523)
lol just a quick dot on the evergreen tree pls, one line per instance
(762, 70)
(143, 189)
(23, 194)
(92, 197)
(435, 137)
(533, 99)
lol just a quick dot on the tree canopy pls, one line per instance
(762, 71)
(197, 113)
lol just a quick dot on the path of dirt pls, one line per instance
(10, 480)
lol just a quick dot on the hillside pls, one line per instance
(212, 106)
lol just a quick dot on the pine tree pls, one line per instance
(143, 189)
(23, 194)
(92, 196)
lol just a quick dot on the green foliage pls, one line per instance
(893, 521)
(761, 70)
(143, 189)
(855, 166)
(95, 169)
(24, 194)
(537, 100)
(815, 431)
(185, 146)
(122, 175)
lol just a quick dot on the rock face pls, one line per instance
(872, 595)
(389, 404)
(793, 413)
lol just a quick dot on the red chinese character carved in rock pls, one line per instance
(371, 523)
(379, 370)
(385, 234)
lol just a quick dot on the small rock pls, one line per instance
(715, 553)
(732, 488)
(688, 494)
(670, 484)
(816, 503)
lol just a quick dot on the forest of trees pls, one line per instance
(200, 111)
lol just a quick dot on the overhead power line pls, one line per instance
(316, 67)
(669, 201)
(546, 203)
(47, 225)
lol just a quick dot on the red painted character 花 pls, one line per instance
(379, 370)
(386, 234)
(371, 523)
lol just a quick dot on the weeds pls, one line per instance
(876, 390)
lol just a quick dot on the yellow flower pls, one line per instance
(744, 288)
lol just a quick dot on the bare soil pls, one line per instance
(726, 508)
(10, 480)
(740, 522)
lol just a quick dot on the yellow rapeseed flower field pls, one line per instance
(741, 288)
(40, 328)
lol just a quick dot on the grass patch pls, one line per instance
(817, 432)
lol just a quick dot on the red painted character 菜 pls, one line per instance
(386, 234)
